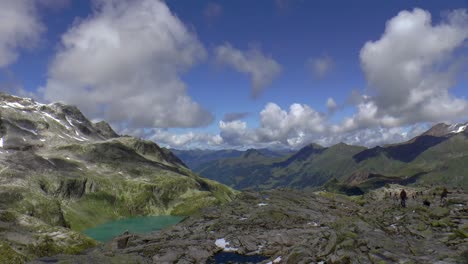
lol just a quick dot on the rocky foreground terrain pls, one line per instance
(290, 226)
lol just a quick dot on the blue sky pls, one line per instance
(170, 71)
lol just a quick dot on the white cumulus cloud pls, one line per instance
(186, 140)
(411, 69)
(262, 69)
(278, 127)
(123, 63)
(287, 128)
(20, 27)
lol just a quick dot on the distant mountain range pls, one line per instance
(61, 173)
(438, 156)
(196, 157)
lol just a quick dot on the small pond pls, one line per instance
(139, 225)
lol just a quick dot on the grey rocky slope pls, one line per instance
(306, 227)
(61, 173)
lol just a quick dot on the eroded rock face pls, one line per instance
(305, 227)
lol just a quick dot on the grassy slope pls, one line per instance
(263, 172)
(441, 163)
(80, 186)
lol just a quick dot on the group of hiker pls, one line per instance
(403, 196)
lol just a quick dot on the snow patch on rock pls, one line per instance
(28, 130)
(461, 129)
(222, 243)
(276, 260)
(55, 119)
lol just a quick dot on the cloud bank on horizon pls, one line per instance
(132, 55)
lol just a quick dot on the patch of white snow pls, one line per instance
(69, 121)
(79, 139)
(1, 142)
(461, 129)
(15, 105)
(277, 260)
(457, 128)
(28, 130)
(262, 204)
(55, 119)
(222, 243)
(53, 164)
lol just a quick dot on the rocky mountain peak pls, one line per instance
(442, 129)
(251, 153)
(105, 129)
(26, 124)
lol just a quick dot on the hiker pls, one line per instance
(426, 203)
(443, 196)
(403, 198)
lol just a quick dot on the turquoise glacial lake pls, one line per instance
(139, 225)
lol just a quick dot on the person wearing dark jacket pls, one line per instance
(403, 198)
(443, 196)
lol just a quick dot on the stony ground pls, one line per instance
(305, 227)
